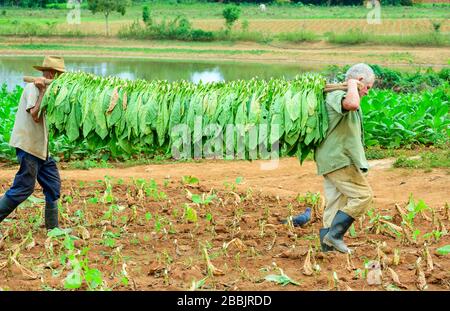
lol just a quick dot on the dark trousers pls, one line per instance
(32, 169)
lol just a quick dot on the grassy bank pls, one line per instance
(354, 37)
(315, 55)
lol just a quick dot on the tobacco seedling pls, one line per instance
(189, 180)
(413, 209)
(108, 196)
(203, 199)
(281, 279)
(148, 216)
(190, 214)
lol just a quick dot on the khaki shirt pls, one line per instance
(28, 135)
(343, 144)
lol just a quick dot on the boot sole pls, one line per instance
(330, 244)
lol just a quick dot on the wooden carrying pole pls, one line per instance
(32, 79)
(328, 87)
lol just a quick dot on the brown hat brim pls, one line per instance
(40, 68)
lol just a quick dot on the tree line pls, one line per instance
(45, 3)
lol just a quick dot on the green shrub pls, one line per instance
(231, 14)
(180, 28)
(146, 15)
(298, 36)
(356, 36)
(353, 36)
(420, 39)
(201, 35)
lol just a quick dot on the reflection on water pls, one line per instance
(12, 69)
(207, 76)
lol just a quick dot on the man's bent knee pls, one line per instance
(359, 205)
(19, 195)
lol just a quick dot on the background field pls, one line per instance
(208, 16)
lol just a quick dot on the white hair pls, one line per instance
(361, 70)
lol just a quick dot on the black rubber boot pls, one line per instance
(341, 223)
(325, 248)
(51, 215)
(6, 207)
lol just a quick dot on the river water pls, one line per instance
(12, 69)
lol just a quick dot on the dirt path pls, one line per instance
(314, 55)
(390, 185)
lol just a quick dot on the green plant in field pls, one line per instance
(196, 285)
(381, 224)
(190, 214)
(281, 279)
(111, 213)
(426, 160)
(231, 15)
(444, 250)
(109, 238)
(108, 196)
(435, 234)
(352, 36)
(151, 190)
(436, 25)
(78, 262)
(393, 120)
(245, 25)
(148, 216)
(158, 223)
(298, 36)
(146, 16)
(8, 108)
(233, 185)
(81, 271)
(310, 199)
(352, 231)
(413, 209)
(89, 164)
(189, 180)
(95, 199)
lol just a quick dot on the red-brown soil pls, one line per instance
(167, 252)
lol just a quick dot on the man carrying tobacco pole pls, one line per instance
(341, 159)
(30, 138)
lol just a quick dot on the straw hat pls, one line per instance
(52, 63)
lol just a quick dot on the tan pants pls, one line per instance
(346, 189)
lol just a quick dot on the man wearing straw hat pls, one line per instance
(30, 138)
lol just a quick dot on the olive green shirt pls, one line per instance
(28, 135)
(343, 144)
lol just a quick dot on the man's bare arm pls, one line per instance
(352, 100)
(40, 84)
(35, 110)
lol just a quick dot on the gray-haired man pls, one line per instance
(341, 159)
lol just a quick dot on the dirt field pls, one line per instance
(318, 26)
(321, 26)
(239, 229)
